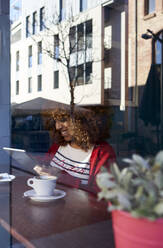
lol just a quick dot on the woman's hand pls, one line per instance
(46, 171)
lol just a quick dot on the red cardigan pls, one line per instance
(102, 155)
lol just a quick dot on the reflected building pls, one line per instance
(95, 40)
(107, 60)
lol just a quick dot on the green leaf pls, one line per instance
(140, 161)
(115, 171)
(103, 181)
(158, 209)
(159, 157)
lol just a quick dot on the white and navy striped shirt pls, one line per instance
(74, 161)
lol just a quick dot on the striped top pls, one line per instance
(75, 162)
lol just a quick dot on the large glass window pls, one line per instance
(107, 59)
(89, 34)
(80, 36)
(73, 40)
(80, 74)
(88, 73)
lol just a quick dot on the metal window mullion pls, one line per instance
(76, 45)
(85, 53)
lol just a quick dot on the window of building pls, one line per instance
(15, 10)
(30, 56)
(72, 73)
(106, 15)
(80, 75)
(80, 35)
(73, 42)
(88, 73)
(39, 83)
(88, 34)
(149, 6)
(17, 60)
(56, 79)
(17, 87)
(56, 46)
(42, 18)
(39, 52)
(62, 9)
(83, 5)
(27, 26)
(29, 84)
(34, 23)
(158, 49)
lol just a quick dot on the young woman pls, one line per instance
(79, 150)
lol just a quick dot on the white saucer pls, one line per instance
(33, 196)
(5, 177)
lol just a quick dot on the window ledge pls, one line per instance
(149, 16)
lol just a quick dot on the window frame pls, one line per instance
(34, 23)
(56, 79)
(39, 53)
(17, 61)
(17, 87)
(83, 5)
(30, 56)
(30, 85)
(147, 5)
(27, 26)
(39, 82)
(56, 46)
(42, 18)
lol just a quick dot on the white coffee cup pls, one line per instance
(43, 185)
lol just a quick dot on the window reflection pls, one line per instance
(101, 52)
(149, 6)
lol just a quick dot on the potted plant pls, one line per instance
(135, 196)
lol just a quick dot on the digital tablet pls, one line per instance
(23, 159)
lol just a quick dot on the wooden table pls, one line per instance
(77, 220)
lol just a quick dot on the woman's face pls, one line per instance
(65, 128)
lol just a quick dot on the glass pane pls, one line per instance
(80, 36)
(151, 6)
(159, 50)
(84, 91)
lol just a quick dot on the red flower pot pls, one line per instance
(130, 232)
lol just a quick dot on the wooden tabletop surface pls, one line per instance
(77, 220)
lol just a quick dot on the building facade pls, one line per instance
(104, 49)
(42, 41)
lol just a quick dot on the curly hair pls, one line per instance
(89, 126)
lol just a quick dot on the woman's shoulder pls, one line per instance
(105, 147)
(54, 147)
(103, 144)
